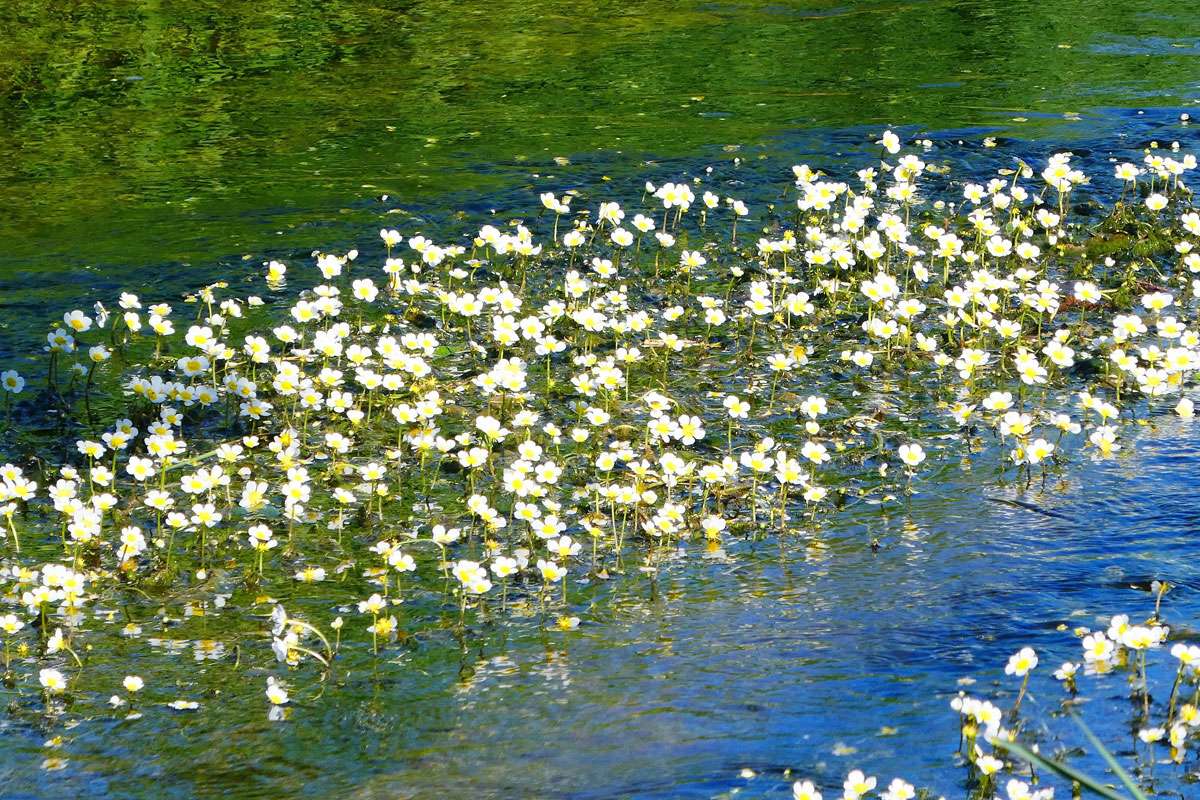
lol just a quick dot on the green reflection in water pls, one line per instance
(139, 133)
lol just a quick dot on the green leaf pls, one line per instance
(1064, 770)
(1125, 777)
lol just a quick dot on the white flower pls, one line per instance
(276, 694)
(1021, 663)
(52, 681)
(911, 454)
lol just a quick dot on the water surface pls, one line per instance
(156, 144)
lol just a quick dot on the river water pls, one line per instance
(154, 147)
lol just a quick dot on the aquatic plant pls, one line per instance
(994, 742)
(505, 421)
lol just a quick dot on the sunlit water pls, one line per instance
(780, 655)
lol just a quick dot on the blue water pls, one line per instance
(773, 660)
(814, 654)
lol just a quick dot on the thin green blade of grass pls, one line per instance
(1068, 772)
(1125, 777)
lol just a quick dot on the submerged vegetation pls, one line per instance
(360, 455)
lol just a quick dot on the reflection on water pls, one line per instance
(813, 655)
(776, 662)
(145, 133)
(140, 135)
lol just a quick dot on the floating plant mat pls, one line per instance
(325, 465)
